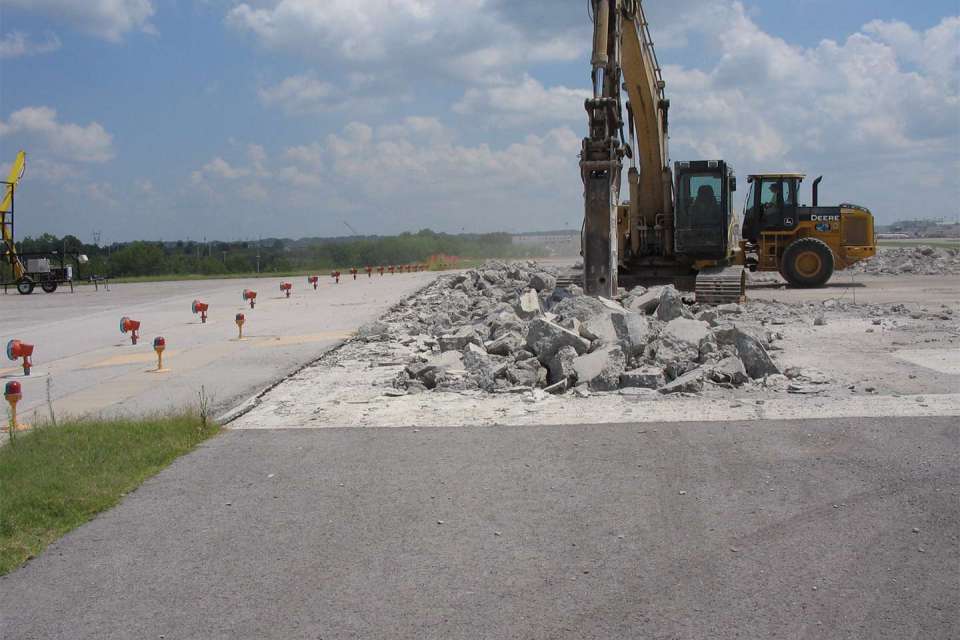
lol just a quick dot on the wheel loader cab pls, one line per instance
(702, 215)
(771, 204)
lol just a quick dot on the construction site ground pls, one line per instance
(340, 507)
(908, 365)
(95, 370)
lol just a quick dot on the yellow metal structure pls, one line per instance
(6, 214)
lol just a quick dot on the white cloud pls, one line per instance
(469, 38)
(300, 94)
(220, 168)
(523, 102)
(17, 44)
(106, 19)
(306, 94)
(90, 143)
(416, 167)
(869, 110)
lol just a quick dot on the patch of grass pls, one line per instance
(54, 479)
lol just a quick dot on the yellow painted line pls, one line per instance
(130, 358)
(281, 341)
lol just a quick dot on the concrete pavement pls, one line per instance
(803, 529)
(94, 369)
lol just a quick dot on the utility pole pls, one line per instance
(258, 253)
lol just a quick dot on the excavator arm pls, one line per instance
(624, 58)
(6, 214)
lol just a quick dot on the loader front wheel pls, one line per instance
(807, 263)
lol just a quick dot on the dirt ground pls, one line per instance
(885, 345)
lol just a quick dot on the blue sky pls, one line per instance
(168, 119)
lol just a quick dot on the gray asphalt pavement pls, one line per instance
(804, 529)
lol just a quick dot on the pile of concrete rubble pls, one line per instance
(509, 327)
(923, 260)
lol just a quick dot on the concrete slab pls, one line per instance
(92, 368)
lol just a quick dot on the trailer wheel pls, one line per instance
(48, 287)
(808, 263)
(25, 286)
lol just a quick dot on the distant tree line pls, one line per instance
(274, 255)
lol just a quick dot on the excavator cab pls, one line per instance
(703, 208)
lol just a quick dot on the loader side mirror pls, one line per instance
(733, 184)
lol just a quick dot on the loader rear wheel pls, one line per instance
(48, 287)
(807, 263)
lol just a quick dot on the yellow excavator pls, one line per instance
(6, 216)
(678, 223)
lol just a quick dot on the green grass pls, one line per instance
(54, 479)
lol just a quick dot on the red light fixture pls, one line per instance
(159, 345)
(13, 394)
(201, 308)
(16, 350)
(130, 326)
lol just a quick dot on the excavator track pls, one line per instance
(722, 285)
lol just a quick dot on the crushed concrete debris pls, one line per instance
(514, 328)
(922, 260)
(580, 359)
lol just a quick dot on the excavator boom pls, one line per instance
(624, 57)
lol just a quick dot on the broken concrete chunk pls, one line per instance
(691, 382)
(729, 371)
(375, 331)
(729, 309)
(645, 302)
(475, 348)
(561, 366)
(459, 340)
(505, 345)
(755, 358)
(558, 388)
(428, 374)
(599, 328)
(601, 369)
(448, 360)
(545, 338)
(633, 332)
(671, 305)
(542, 281)
(528, 305)
(643, 378)
(611, 305)
(582, 308)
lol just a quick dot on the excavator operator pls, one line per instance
(705, 210)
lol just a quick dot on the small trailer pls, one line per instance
(48, 271)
